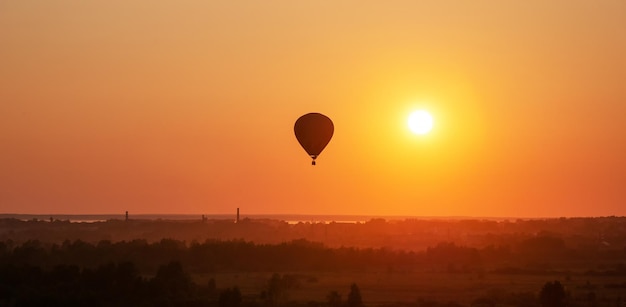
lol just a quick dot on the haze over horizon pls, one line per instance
(189, 107)
(274, 216)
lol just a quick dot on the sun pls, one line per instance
(420, 122)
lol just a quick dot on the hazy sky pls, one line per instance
(189, 106)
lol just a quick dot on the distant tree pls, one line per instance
(4, 248)
(276, 290)
(334, 299)
(354, 297)
(171, 281)
(212, 285)
(553, 295)
(542, 245)
(290, 281)
(65, 274)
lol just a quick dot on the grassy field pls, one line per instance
(379, 288)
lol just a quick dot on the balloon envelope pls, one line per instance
(314, 131)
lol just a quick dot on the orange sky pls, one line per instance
(188, 107)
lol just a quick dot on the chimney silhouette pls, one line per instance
(237, 221)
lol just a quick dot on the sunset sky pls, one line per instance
(189, 107)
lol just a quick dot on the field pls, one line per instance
(378, 288)
(466, 262)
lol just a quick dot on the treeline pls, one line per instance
(539, 255)
(207, 257)
(139, 273)
(106, 285)
(121, 284)
(587, 234)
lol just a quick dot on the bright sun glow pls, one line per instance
(420, 122)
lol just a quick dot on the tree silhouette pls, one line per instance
(172, 282)
(553, 295)
(211, 285)
(354, 297)
(276, 290)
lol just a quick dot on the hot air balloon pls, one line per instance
(314, 131)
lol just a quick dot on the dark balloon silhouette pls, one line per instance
(314, 131)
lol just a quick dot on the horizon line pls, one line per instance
(326, 215)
